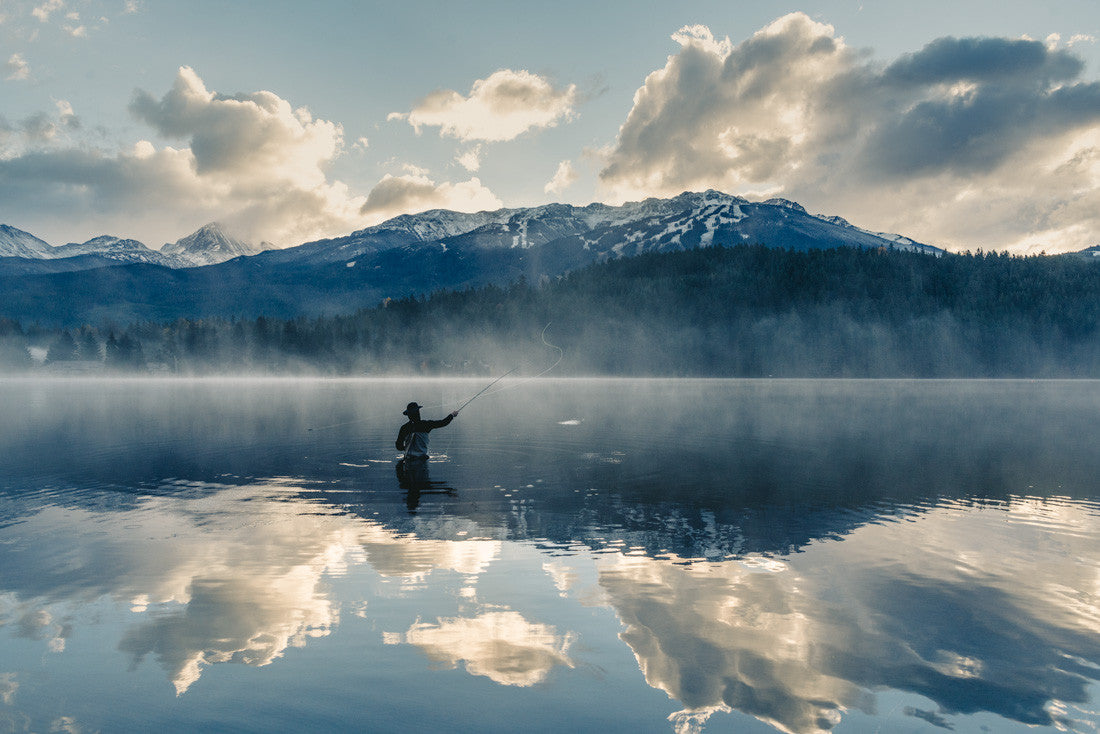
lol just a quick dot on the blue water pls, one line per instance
(606, 555)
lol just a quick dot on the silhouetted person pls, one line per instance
(413, 436)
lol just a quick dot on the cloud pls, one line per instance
(39, 128)
(471, 159)
(67, 21)
(66, 115)
(65, 725)
(42, 12)
(250, 160)
(16, 68)
(563, 178)
(949, 60)
(395, 195)
(793, 110)
(501, 107)
(1000, 95)
(725, 115)
(8, 686)
(42, 128)
(251, 135)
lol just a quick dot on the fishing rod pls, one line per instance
(486, 388)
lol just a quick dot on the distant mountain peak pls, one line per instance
(208, 245)
(839, 221)
(786, 204)
(17, 243)
(115, 248)
(109, 242)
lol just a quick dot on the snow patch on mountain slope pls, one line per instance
(17, 243)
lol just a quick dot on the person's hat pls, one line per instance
(411, 408)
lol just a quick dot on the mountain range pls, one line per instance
(208, 245)
(208, 273)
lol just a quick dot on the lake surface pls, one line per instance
(605, 555)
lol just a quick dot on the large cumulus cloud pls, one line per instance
(254, 135)
(968, 142)
(250, 159)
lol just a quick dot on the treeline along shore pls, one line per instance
(743, 311)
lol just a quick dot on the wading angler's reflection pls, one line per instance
(413, 477)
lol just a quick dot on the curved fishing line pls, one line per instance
(561, 355)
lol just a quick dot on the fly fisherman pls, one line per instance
(413, 436)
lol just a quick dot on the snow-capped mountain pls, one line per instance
(116, 248)
(17, 243)
(688, 220)
(208, 245)
(409, 255)
(692, 219)
(683, 222)
(406, 229)
(96, 252)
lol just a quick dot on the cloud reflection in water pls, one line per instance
(936, 607)
(500, 645)
(8, 686)
(221, 581)
(978, 607)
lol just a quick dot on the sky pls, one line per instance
(964, 124)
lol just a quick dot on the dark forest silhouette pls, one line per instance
(739, 311)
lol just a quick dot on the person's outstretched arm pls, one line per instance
(442, 422)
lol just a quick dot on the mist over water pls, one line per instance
(632, 555)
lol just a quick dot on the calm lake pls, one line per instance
(578, 555)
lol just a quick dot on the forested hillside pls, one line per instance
(741, 311)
